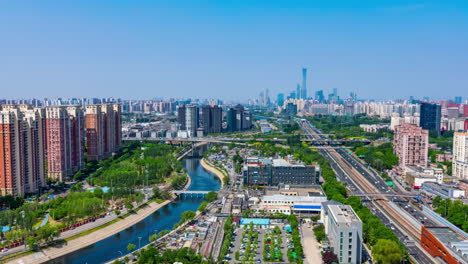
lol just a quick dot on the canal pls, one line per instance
(165, 218)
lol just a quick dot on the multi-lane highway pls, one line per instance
(397, 213)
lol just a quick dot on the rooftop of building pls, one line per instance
(455, 241)
(288, 190)
(278, 162)
(449, 186)
(343, 214)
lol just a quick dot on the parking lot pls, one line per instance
(260, 244)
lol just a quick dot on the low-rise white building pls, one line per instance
(443, 190)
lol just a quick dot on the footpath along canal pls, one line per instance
(165, 218)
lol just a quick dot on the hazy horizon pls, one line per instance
(233, 50)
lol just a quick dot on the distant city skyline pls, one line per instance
(233, 50)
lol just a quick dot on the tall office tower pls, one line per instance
(304, 84)
(458, 99)
(211, 119)
(181, 110)
(22, 156)
(238, 119)
(65, 141)
(319, 96)
(411, 145)
(465, 110)
(246, 120)
(430, 117)
(191, 120)
(460, 155)
(344, 230)
(231, 120)
(280, 100)
(298, 91)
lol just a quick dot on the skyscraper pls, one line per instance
(319, 96)
(191, 120)
(298, 91)
(211, 119)
(430, 117)
(304, 84)
(458, 99)
(238, 119)
(181, 116)
(280, 100)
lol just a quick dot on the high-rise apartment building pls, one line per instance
(22, 154)
(181, 117)
(344, 231)
(103, 130)
(212, 119)
(191, 120)
(430, 117)
(238, 119)
(187, 117)
(460, 155)
(411, 144)
(65, 141)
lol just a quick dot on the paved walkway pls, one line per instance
(207, 166)
(89, 239)
(310, 245)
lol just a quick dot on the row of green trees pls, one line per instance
(379, 157)
(453, 210)
(348, 126)
(228, 237)
(296, 240)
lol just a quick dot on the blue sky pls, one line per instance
(232, 49)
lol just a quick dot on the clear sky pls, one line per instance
(232, 49)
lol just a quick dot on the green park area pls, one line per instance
(114, 182)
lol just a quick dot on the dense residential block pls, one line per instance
(22, 152)
(411, 145)
(103, 130)
(65, 141)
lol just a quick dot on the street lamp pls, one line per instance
(139, 244)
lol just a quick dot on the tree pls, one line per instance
(32, 242)
(329, 257)
(211, 196)
(131, 247)
(128, 205)
(117, 212)
(77, 187)
(152, 238)
(319, 232)
(387, 252)
(202, 206)
(156, 192)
